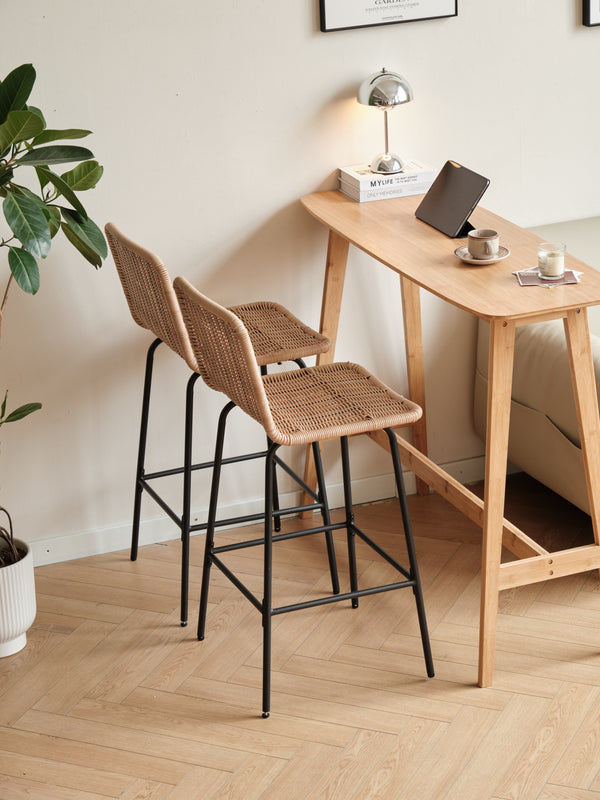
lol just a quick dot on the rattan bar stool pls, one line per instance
(297, 407)
(276, 336)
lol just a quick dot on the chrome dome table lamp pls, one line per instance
(385, 90)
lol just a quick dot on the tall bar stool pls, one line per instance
(276, 336)
(297, 407)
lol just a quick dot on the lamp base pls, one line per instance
(387, 163)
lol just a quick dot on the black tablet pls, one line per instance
(451, 199)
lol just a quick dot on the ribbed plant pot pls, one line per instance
(17, 602)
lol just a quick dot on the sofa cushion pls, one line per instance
(541, 374)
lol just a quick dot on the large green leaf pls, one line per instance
(84, 176)
(51, 213)
(55, 154)
(21, 411)
(63, 188)
(53, 136)
(25, 269)
(28, 223)
(80, 244)
(15, 89)
(19, 126)
(86, 230)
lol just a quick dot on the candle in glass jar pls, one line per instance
(551, 260)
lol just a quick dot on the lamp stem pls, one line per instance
(385, 128)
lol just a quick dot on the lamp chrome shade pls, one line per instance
(385, 90)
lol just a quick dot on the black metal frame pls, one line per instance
(386, 15)
(183, 521)
(265, 606)
(590, 17)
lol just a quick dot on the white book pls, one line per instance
(362, 178)
(400, 190)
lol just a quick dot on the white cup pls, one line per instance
(483, 243)
(551, 260)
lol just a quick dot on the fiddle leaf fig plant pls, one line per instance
(35, 215)
(38, 201)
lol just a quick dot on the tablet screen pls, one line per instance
(452, 198)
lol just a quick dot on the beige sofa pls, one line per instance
(544, 437)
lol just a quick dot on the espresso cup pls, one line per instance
(483, 243)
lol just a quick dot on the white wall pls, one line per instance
(211, 120)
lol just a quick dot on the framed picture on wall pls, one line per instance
(337, 15)
(591, 12)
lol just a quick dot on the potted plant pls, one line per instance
(17, 590)
(35, 210)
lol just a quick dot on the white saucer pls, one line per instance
(464, 255)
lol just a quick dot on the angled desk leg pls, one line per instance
(502, 341)
(413, 342)
(586, 403)
(333, 288)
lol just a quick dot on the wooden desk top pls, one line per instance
(389, 231)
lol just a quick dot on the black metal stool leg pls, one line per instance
(412, 555)
(212, 516)
(322, 490)
(187, 496)
(267, 602)
(137, 502)
(349, 518)
(277, 520)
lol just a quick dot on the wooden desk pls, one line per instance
(424, 258)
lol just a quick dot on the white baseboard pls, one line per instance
(161, 529)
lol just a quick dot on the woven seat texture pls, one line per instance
(333, 400)
(275, 333)
(298, 407)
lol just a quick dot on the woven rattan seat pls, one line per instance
(276, 335)
(296, 408)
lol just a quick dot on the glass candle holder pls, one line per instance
(551, 260)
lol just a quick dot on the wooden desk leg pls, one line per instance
(413, 343)
(502, 339)
(586, 402)
(333, 288)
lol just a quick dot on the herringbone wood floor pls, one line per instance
(112, 698)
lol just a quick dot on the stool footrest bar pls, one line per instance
(321, 601)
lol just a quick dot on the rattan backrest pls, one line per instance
(149, 293)
(222, 346)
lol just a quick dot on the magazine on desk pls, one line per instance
(398, 190)
(361, 177)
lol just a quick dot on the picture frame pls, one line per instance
(338, 15)
(591, 12)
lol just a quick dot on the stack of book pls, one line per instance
(361, 184)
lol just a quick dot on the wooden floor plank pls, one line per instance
(352, 767)
(442, 766)
(532, 769)
(67, 655)
(200, 783)
(302, 771)
(251, 779)
(58, 773)
(137, 742)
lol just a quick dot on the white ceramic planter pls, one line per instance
(17, 602)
